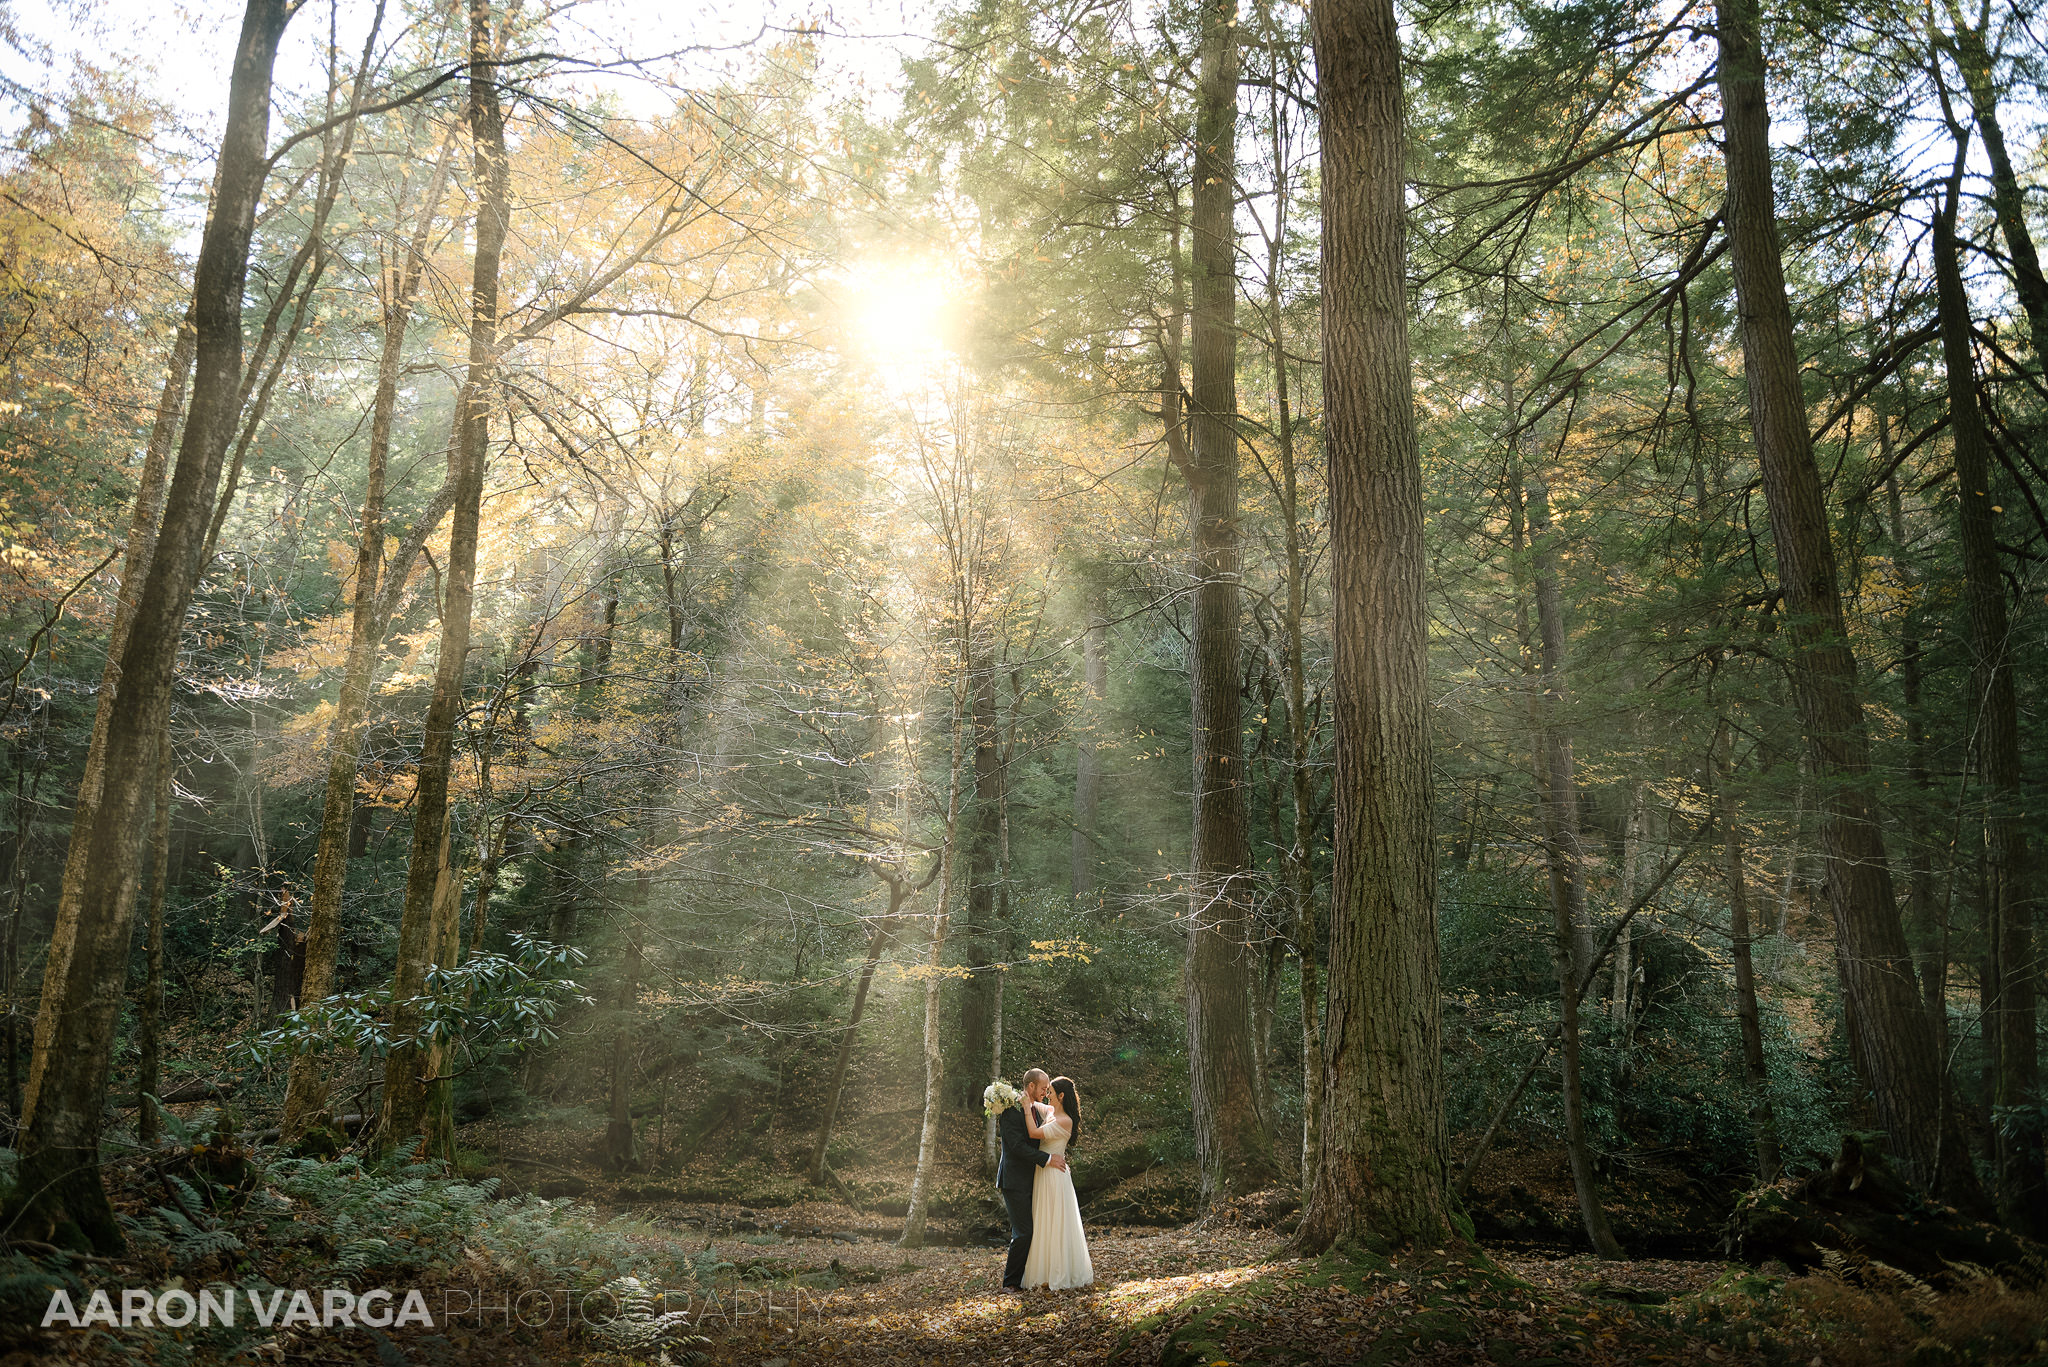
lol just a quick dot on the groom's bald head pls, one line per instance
(1035, 1083)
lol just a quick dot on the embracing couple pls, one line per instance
(1034, 1128)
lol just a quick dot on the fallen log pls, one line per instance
(1863, 1221)
(1094, 1175)
(195, 1089)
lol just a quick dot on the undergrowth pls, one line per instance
(344, 1222)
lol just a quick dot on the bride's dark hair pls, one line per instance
(1070, 1096)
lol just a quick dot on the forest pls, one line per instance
(610, 614)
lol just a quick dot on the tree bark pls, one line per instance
(1233, 1138)
(437, 1092)
(1890, 1037)
(402, 1081)
(59, 1197)
(1383, 1167)
(2009, 902)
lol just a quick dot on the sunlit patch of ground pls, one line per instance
(944, 1306)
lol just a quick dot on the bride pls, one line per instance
(1059, 1248)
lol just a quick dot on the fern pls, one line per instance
(641, 1327)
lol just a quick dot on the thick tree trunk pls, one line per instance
(1383, 1168)
(402, 1081)
(59, 1196)
(306, 1094)
(1087, 759)
(1563, 851)
(2009, 901)
(1889, 1033)
(1233, 1138)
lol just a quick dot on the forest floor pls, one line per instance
(1217, 1293)
(816, 1282)
(772, 1273)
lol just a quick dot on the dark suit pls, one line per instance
(1018, 1159)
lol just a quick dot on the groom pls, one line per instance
(1017, 1160)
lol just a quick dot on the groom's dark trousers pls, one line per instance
(1018, 1159)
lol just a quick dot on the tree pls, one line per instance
(1891, 1038)
(404, 1094)
(59, 1195)
(1233, 1138)
(1382, 1174)
(2009, 899)
(375, 603)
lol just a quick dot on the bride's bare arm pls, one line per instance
(1031, 1125)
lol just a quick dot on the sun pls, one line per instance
(901, 316)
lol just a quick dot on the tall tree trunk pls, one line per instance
(1004, 935)
(1565, 854)
(1233, 1139)
(1299, 862)
(934, 1057)
(437, 1097)
(306, 1093)
(402, 1083)
(978, 998)
(151, 486)
(1382, 1172)
(1890, 1037)
(2009, 901)
(1923, 903)
(149, 1068)
(1756, 1078)
(58, 1195)
(1087, 758)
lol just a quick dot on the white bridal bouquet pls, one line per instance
(998, 1097)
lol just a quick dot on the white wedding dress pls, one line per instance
(1059, 1247)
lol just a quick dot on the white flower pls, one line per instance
(998, 1097)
